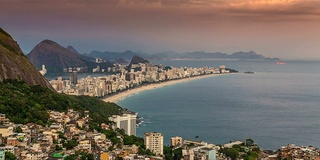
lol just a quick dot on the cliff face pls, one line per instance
(15, 65)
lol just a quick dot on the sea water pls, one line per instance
(275, 106)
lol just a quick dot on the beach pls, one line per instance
(121, 95)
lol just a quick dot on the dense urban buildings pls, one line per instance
(68, 135)
(126, 78)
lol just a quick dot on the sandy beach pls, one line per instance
(122, 95)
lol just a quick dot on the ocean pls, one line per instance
(275, 106)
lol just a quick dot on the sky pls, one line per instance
(287, 29)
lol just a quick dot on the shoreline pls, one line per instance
(122, 95)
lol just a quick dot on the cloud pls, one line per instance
(246, 9)
(276, 9)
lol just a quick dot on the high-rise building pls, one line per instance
(73, 78)
(127, 122)
(154, 142)
(176, 141)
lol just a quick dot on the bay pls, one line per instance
(276, 106)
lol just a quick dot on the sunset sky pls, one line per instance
(288, 29)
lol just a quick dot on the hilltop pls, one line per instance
(15, 65)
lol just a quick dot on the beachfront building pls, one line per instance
(127, 122)
(154, 142)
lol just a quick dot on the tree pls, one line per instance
(167, 151)
(249, 142)
(70, 144)
(18, 129)
(119, 158)
(177, 154)
(233, 153)
(10, 156)
(128, 140)
(58, 148)
(70, 157)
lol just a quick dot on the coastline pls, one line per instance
(121, 95)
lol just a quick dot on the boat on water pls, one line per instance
(280, 62)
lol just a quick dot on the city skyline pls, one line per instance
(275, 28)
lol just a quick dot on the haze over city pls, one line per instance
(287, 29)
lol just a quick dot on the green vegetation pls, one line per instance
(80, 155)
(18, 130)
(58, 148)
(130, 140)
(4, 32)
(32, 102)
(10, 156)
(248, 151)
(172, 154)
(70, 144)
(8, 47)
(233, 153)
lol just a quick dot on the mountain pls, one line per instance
(127, 55)
(15, 65)
(206, 55)
(137, 60)
(56, 58)
(70, 48)
(246, 55)
(174, 55)
(120, 61)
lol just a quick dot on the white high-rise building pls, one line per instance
(154, 142)
(127, 122)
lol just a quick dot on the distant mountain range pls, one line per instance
(57, 58)
(15, 65)
(127, 55)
